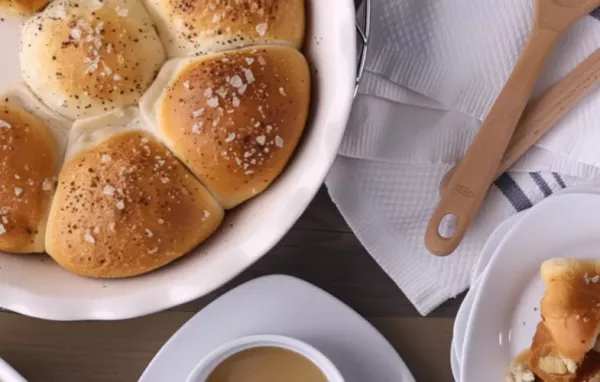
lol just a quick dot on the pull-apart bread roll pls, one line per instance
(565, 346)
(20, 8)
(233, 118)
(86, 57)
(196, 27)
(546, 362)
(31, 146)
(550, 366)
(519, 369)
(571, 305)
(124, 205)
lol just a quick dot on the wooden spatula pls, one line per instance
(543, 113)
(468, 187)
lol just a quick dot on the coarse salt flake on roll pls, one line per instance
(32, 141)
(233, 118)
(124, 205)
(86, 57)
(196, 27)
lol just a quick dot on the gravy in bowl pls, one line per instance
(267, 364)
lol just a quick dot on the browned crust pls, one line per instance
(21, 7)
(571, 304)
(235, 118)
(195, 27)
(93, 60)
(29, 162)
(126, 207)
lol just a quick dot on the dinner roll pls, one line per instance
(571, 305)
(20, 7)
(519, 368)
(31, 147)
(195, 27)
(124, 204)
(234, 118)
(86, 57)
(547, 364)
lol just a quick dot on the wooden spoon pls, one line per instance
(541, 115)
(468, 187)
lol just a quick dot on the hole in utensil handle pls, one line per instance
(447, 226)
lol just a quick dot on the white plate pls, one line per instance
(506, 307)
(464, 312)
(285, 306)
(8, 374)
(36, 286)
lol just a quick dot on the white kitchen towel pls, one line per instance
(433, 72)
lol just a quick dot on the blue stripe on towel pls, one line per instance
(559, 180)
(541, 183)
(513, 192)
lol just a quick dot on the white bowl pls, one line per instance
(8, 374)
(36, 286)
(214, 359)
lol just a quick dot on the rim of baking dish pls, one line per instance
(135, 305)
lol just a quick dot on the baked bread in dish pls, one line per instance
(197, 27)
(234, 118)
(31, 150)
(86, 57)
(124, 205)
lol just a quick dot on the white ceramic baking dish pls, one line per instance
(36, 286)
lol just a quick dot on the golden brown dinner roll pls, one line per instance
(124, 204)
(86, 57)
(234, 118)
(21, 7)
(519, 369)
(546, 362)
(571, 305)
(195, 27)
(31, 148)
(549, 366)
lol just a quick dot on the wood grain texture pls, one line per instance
(105, 352)
(320, 249)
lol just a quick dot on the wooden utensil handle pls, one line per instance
(541, 115)
(468, 187)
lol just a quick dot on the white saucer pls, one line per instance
(506, 307)
(8, 374)
(464, 313)
(286, 306)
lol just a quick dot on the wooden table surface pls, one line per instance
(320, 249)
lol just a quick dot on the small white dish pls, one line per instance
(506, 307)
(214, 359)
(286, 306)
(8, 374)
